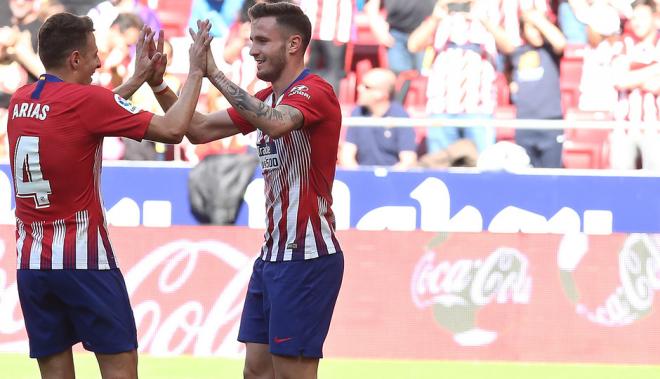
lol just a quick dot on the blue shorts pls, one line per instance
(289, 305)
(64, 307)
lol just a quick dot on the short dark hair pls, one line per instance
(648, 3)
(125, 21)
(287, 15)
(60, 35)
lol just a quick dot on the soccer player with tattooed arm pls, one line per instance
(297, 276)
(69, 284)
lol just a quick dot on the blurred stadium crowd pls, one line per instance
(451, 60)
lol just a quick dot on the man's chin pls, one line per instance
(265, 76)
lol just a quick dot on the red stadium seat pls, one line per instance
(347, 93)
(570, 73)
(415, 97)
(586, 148)
(174, 15)
(364, 45)
(503, 90)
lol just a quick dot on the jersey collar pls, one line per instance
(43, 79)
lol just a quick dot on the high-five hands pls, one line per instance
(148, 59)
(199, 50)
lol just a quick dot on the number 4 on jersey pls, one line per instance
(27, 166)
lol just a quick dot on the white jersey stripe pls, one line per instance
(326, 231)
(59, 231)
(310, 241)
(292, 216)
(19, 242)
(112, 249)
(82, 225)
(102, 253)
(35, 250)
(277, 216)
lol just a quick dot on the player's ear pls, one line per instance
(74, 59)
(294, 43)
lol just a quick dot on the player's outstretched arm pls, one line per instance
(274, 122)
(171, 127)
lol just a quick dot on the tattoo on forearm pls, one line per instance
(245, 102)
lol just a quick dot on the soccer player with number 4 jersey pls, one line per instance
(297, 276)
(69, 284)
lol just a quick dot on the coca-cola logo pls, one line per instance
(638, 277)
(458, 290)
(187, 298)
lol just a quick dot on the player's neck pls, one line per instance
(289, 74)
(62, 74)
(379, 109)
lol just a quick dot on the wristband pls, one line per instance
(159, 88)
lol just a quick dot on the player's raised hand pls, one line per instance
(145, 58)
(159, 65)
(200, 46)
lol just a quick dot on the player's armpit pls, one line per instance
(211, 127)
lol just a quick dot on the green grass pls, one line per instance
(13, 366)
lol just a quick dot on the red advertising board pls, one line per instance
(406, 295)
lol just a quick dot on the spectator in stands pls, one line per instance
(104, 14)
(462, 78)
(571, 20)
(78, 6)
(378, 145)
(19, 63)
(237, 53)
(15, 54)
(332, 25)
(637, 77)
(597, 90)
(117, 48)
(221, 13)
(49, 8)
(393, 29)
(535, 86)
(508, 12)
(21, 42)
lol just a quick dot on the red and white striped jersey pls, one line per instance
(636, 104)
(56, 131)
(332, 20)
(462, 78)
(299, 170)
(508, 14)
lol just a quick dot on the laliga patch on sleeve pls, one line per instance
(126, 104)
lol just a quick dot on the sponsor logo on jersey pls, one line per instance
(126, 104)
(301, 90)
